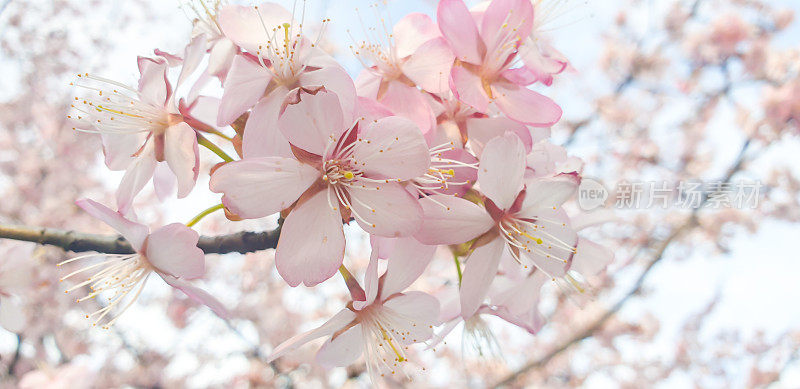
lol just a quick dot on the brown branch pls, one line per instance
(240, 242)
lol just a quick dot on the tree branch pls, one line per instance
(240, 242)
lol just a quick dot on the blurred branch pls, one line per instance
(658, 255)
(240, 242)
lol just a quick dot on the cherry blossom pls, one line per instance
(170, 252)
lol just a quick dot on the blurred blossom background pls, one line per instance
(659, 91)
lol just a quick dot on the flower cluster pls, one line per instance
(439, 142)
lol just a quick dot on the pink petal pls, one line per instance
(244, 86)
(526, 106)
(522, 296)
(370, 283)
(502, 169)
(369, 110)
(468, 88)
(551, 257)
(451, 220)
(259, 187)
(172, 249)
(153, 85)
(504, 17)
(385, 209)
(412, 31)
(198, 295)
(459, 29)
(429, 66)
(133, 232)
(311, 121)
(548, 193)
(337, 322)
(119, 149)
(590, 258)
(368, 83)
(336, 80)
(464, 177)
(245, 25)
(182, 156)
(411, 103)
(342, 349)
(479, 272)
(414, 315)
(392, 147)
(407, 262)
(261, 136)
(221, 57)
(164, 182)
(311, 246)
(136, 177)
(482, 130)
(194, 53)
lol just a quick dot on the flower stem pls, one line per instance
(203, 214)
(458, 267)
(203, 141)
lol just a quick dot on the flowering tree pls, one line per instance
(430, 181)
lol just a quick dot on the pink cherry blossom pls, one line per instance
(342, 168)
(486, 51)
(141, 128)
(523, 217)
(417, 57)
(381, 321)
(171, 252)
(279, 58)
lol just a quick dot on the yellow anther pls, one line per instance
(348, 175)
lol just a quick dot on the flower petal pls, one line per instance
(526, 106)
(468, 88)
(312, 119)
(311, 246)
(392, 147)
(133, 232)
(153, 85)
(247, 26)
(481, 130)
(504, 17)
(548, 193)
(261, 135)
(451, 220)
(409, 102)
(194, 53)
(337, 322)
(459, 29)
(136, 177)
(502, 168)
(221, 57)
(335, 79)
(343, 349)
(182, 156)
(172, 249)
(385, 209)
(259, 187)
(244, 86)
(479, 271)
(429, 66)
(406, 263)
(119, 149)
(412, 31)
(590, 258)
(198, 295)
(419, 312)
